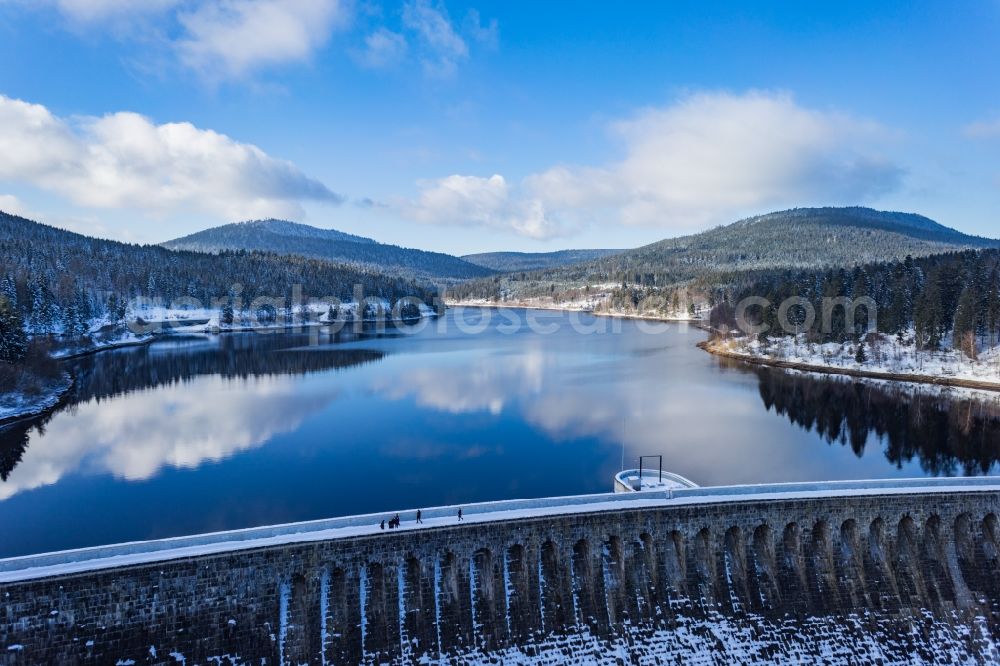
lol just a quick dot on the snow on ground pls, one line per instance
(527, 303)
(16, 404)
(120, 338)
(595, 304)
(311, 314)
(753, 639)
(884, 354)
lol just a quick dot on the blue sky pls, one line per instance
(479, 126)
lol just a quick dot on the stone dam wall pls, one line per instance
(851, 579)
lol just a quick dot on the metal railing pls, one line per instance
(621, 478)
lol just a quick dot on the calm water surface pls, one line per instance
(207, 433)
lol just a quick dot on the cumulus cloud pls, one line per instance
(217, 38)
(124, 160)
(485, 202)
(383, 48)
(231, 38)
(707, 159)
(444, 47)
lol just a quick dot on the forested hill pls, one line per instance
(802, 238)
(950, 299)
(58, 278)
(793, 239)
(291, 238)
(508, 262)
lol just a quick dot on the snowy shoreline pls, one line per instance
(718, 348)
(118, 343)
(575, 308)
(16, 406)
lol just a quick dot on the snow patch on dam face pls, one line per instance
(848, 578)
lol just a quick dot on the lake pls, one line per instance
(200, 433)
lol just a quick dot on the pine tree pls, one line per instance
(8, 290)
(43, 308)
(929, 320)
(227, 317)
(70, 321)
(860, 356)
(13, 340)
(964, 330)
(993, 306)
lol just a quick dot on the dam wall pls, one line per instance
(848, 575)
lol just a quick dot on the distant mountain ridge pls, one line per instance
(800, 238)
(506, 262)
(293, 238)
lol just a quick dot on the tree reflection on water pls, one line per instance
(949, 432)
(176, 361)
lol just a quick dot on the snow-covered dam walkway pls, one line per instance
(851, 572)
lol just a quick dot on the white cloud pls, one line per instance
(230, 38)
(486, 202)
(14, 206)
(383, 48)
(445, 48)
(86, 11)
(707, 159)
(123, 160)
(715, 154)
(484, 34)
(985, 129)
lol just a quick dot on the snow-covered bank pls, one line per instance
(593, 307)
(89, 345)
(302, 316)
(15, 405)
(882, 358)
(526, 304)
(28, 393)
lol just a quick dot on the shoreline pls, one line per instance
(931, 380)
(45, 405)
(700, 323)
(706, 345)
(51, 402)
(96, 349)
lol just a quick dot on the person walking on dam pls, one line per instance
(459, 515)
(420, 519)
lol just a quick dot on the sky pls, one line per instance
(476, 126)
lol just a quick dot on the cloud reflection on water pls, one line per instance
(182, 425)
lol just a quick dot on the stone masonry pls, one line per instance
(877, 578)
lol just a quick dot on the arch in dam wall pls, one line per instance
(487, 588)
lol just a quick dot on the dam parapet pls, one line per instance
(851, 571)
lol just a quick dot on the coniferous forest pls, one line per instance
(57, 281)
(947, 299)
